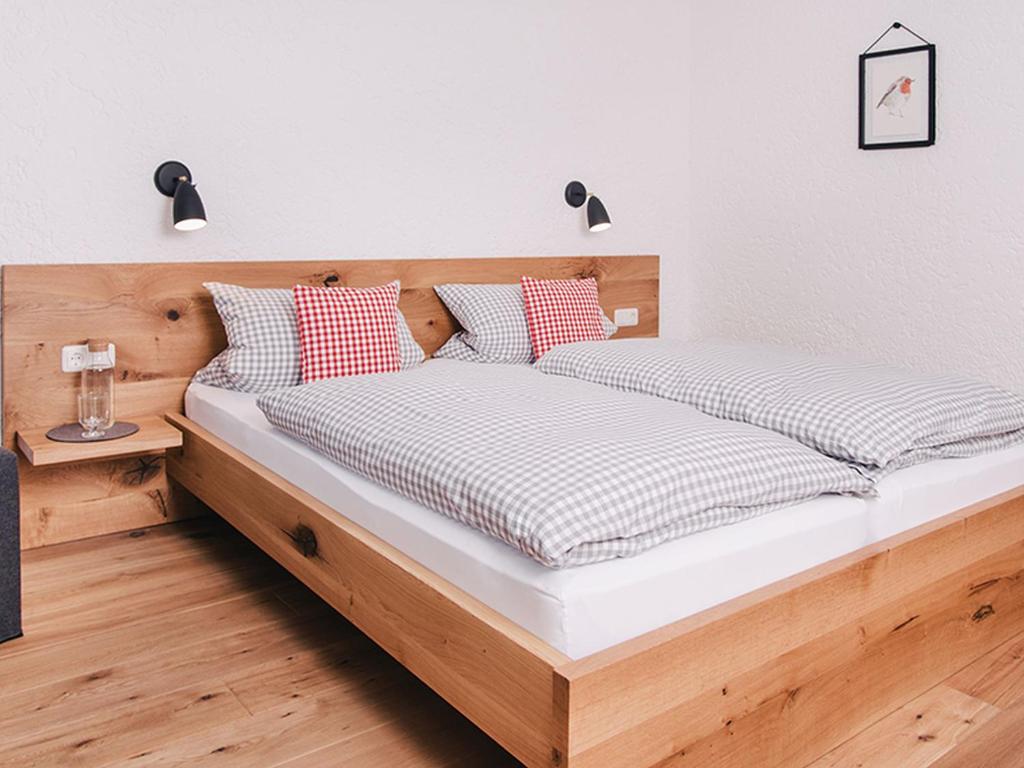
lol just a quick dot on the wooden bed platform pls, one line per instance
(774, 678)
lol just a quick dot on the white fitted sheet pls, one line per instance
(585, 609)
(917, 494)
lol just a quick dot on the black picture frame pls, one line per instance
(862, 107)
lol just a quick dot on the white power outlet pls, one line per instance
(73, 357)
(626, 317)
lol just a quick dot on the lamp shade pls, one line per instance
(189, 213)
(597, 216)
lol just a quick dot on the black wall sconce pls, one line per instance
(597, 217)
(175, 180)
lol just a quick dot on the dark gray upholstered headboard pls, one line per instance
(10, 550)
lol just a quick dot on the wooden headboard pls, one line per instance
(164, 326)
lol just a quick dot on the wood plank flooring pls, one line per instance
(185, 645)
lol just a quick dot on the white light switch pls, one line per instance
(626, 317)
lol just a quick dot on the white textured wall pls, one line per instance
(914, 256)
(415, 129)
(355, 129)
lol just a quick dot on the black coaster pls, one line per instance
(72, 433)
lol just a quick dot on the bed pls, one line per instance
(580, 611)
(798, 657)
(576, 610)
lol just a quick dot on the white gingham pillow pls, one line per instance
(493, 320)
(346, 331)
(561, 312)
(263, 340)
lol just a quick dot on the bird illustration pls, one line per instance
(896, 96)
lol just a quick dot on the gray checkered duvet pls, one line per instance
(565, 471)
(878, 417)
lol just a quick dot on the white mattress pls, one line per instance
(917, 494)
(585, 609)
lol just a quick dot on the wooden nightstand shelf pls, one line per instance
(154, 436)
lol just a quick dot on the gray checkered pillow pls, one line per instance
(410, 353)
(263, 340)
(493, 320)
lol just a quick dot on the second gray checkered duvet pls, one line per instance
(875, 416)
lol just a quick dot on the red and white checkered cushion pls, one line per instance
(346, 331)
(561, 312)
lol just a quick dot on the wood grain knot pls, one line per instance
(791, 697)
(144, 470)
(901, 625)
(173, 314)
(305, 540)
(983, 586)
(556, 756)
(330, 279)
(983, 613)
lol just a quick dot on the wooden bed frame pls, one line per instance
(774, 678)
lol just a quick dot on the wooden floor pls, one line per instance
(185, 645)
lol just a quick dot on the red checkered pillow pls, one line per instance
(561, 312)
(346, 331)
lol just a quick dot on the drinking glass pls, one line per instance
(94, 414)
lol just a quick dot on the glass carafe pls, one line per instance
(96, 396)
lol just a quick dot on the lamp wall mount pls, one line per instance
(575, 194)
(169, 174)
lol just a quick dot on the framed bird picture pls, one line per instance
(897, 98)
